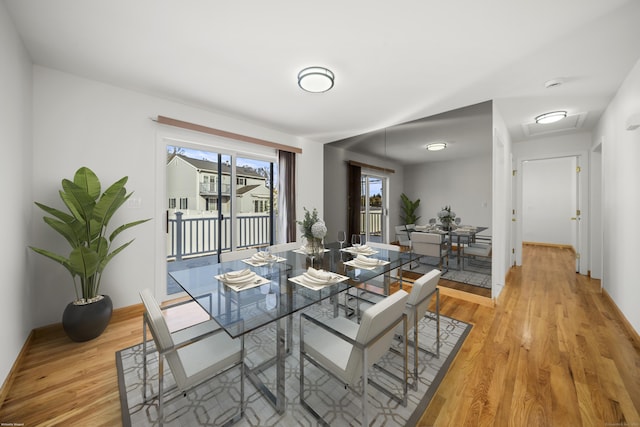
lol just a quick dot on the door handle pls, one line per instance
(574, 218)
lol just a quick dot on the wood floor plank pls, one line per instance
(551, 352)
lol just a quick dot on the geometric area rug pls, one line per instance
(213, 402)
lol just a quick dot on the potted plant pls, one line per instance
(85, 228)
(409, 209)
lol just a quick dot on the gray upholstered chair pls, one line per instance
(346, 350)
(432, 245)
(194, 355)
(238, 254)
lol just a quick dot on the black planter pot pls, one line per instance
(88, 321)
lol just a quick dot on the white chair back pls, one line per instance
(374, 320)
(423, 286)
(428, 244)
(236, 255)
(162, 336)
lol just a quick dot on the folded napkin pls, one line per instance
(369, 262)
(239, 276)
(362, 248)
(319, 274)
(263, 257)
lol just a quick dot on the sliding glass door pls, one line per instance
(216, 202)
(373, 212)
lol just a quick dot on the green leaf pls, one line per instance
(110, 201)
(63, 216)
(124, 227)
(77, 200)
(109, 257)
(57, 258)
(66, 230)
(86, 179)
(84, 261)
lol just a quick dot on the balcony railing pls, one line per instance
(189, 237)
(199, 236)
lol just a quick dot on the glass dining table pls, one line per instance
(277, 294)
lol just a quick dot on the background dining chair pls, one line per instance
(403, 234)
(346, 350)
(238, 254)
(193, 359)
(432, 245)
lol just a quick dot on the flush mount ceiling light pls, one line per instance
(551, 117)
(437, 146)
(315, 79)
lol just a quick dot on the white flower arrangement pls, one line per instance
(446, 215)
(312, 226)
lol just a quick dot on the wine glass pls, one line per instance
(342, 237)
(355, 240)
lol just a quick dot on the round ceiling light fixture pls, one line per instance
(436, 146)
(551, 117)
(315, 79)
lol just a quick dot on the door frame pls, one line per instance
(170, 135)
(582, 198)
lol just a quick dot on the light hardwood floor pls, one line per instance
(551, 353)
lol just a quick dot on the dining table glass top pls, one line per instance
(277, 289)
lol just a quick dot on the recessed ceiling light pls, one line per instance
(436, 146)
(551, 117)
(315, 79)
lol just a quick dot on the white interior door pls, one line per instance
(550, 212)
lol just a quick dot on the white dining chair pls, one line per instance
(237, 254)
(193, 356)
(346, 350)
(416, 308)
(432, 245)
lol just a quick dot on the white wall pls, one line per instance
(82, 122)
(621, 197)
(15, 174)
(501, 188)
(464, 184)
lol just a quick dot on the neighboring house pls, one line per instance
(192, 187)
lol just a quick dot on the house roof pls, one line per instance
(212, 167)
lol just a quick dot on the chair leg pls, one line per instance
(438, 322)
(160, 390)
(365, 380)
(144, 358)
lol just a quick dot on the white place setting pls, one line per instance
(242, 279)
(317, 279)
(365, 262)
(360, 250)
(262, 258)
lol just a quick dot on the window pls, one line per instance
(211, 203)
(172, 203)
(241, 181)
(183, 203)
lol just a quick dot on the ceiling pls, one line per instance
(394, 61)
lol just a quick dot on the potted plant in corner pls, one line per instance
(85, 228)
(409, 209)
